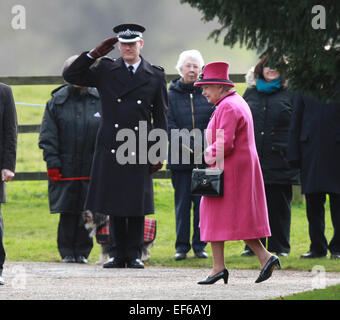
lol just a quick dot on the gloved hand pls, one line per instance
(156, 167)
(54, 174)
(104, 48)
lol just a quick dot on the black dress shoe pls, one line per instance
(311, 255)
(267, 270)
(69, 259)
(247, 253)
(135, 264)
(201, 255)
(114, 263)
(224, 274)
(282, 254)
(180, 256)
(81, 259)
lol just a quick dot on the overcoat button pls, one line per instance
(119, 100)
(116, 125)
(139, 101)
(113, 151)
(136, 128)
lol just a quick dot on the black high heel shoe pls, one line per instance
(267, 270)
(224, 274)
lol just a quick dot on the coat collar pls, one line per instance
(230, 93)
(140, 78)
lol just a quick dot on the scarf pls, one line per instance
(268, 87)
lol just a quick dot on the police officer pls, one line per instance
(134, 96)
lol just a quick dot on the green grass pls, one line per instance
(329, 293)
(35, 95)
(29, 156)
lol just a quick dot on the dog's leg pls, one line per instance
(104, 254)
(146, 251)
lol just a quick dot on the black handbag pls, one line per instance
(207, 182)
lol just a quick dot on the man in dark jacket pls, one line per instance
(68, 133)
(8, 145)
(134, 97)
(188, 110)
(314, 146)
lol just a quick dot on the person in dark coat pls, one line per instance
(67, 137)
(188, 109)
(271, 105)
(134, 100)
(8, 147)
(314, 146)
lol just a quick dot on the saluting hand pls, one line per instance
(104, 48)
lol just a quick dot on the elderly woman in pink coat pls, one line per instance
(241, 213)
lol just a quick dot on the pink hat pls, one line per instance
(215, 73)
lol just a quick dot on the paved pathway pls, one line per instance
(59, 281)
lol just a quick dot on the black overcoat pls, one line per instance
(67, 137)
(8, 134)
(272, 117)
(314, 144)
(116, 188)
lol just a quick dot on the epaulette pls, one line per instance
(158, 67)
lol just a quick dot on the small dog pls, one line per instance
(98, 225)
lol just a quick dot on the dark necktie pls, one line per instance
(130, 71)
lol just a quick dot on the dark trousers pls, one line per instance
(181, 181)
(279, 199)
(127, 234)
(316, 222)
(73, 239)
(2, 249)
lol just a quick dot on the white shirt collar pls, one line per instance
(135, 66)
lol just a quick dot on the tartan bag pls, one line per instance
(103, 234)
(150, 227)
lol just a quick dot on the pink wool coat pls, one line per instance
(242, 211)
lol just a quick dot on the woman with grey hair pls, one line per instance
(188, 109)
(194, 55)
